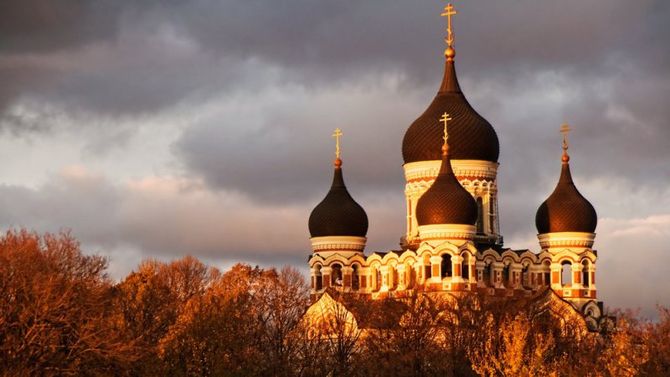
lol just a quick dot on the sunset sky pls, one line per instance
(165, 128)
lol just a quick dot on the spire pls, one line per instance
(449, 11)
(565, 130)
(445, 147)
(337, 135)
(449, 82)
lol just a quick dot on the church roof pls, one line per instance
(472, 136)
(446, 201)
(566, 209)
(338, 214)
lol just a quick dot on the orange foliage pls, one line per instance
(61, 315)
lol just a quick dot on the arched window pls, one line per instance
(585, 274)
(319, 278)
(336, 275)
(505, 276)
(465, 266)
(355, 284)
(445, 266)
(480, 216)
(566, 273)
(487, 274)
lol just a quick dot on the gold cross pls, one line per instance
(449, 11)
(337, 134)
(565, 130)
(445, 119)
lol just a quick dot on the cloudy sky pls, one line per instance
(165, 128)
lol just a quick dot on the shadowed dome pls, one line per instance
(566, 210)
(338, 214)
(471, 137)
(446, 201)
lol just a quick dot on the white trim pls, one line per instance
(437, 233)
(566, 239)
(338, 244)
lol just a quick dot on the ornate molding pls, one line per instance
(566, 239)
(463, 169)
(338, 244)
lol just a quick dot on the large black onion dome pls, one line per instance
(566, 210)
(471, 136)
(338, 214)
(446, 201)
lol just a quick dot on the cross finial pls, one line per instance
(449, 11)
(565, 130)
(337, 134)
(445, 119)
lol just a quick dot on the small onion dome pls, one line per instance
(566, 210)
(338, 214)
(446, 201)
(471, 136)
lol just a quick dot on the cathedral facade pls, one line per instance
(452, 244)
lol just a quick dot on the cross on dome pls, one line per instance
(337, 135)
(449, 11)
(565, 130)
(445, 119)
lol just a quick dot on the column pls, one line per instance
(402, 278)
(496, 274)
(385, 278)
(577, 276)
(456, 273)
(515, 275)
(347, 277)
(435, 262)
(325, 276)
(556, 270)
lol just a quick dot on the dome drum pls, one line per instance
(428, 170)
(446, 232)
(342, 244)
(566, 239)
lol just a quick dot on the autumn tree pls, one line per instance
(150, 299)
(240, 327)
(413, 341)
(657, 343)
(55, 307)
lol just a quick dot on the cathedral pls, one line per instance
(453, 244)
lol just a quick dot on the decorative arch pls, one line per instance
(511, 255)
(491, 254)
(446, 247)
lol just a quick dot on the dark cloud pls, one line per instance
(34, 26)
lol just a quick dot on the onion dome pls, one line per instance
(472, 136)
(446, 201)
(566, 209)
(338, 214)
